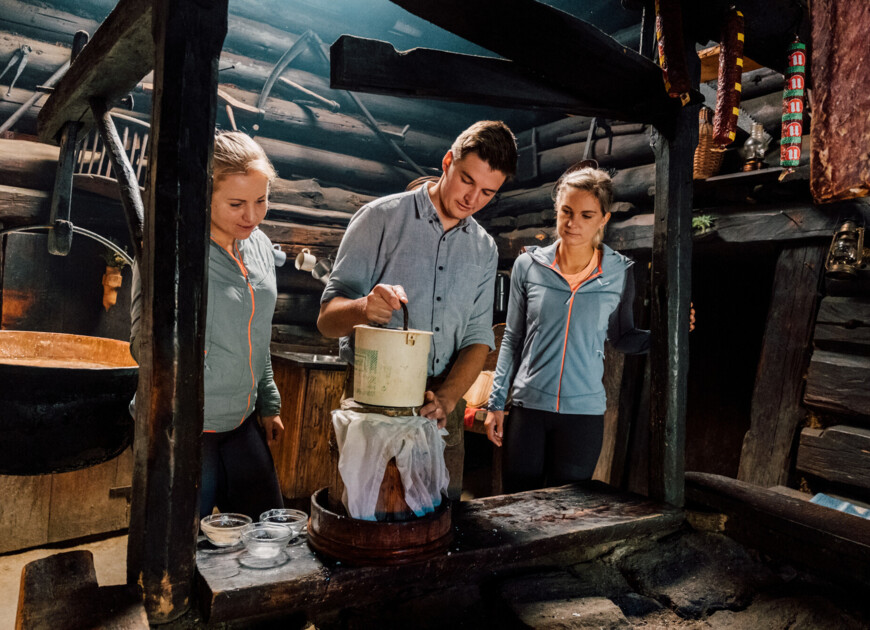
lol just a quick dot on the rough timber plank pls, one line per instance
(839, 453)
(432, 74)
(803, 532)
(563, 50)
(839, 383)
(776, 411)
(118, 55)
(491, 534)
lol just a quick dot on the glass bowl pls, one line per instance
(294, 519)
(265, 540)
(224, 529)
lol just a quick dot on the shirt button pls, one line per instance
(437, 329)
(437, 360)
(440, 267)
(438, 299)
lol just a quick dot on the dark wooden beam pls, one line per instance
(840, 453)
(188, 35)
(787, 527)
(734, 225)
(776, 412)
(839, 383)
(118, 55)
(671, 286)
(564, 51)
(369, 65)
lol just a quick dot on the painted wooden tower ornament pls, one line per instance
(793, 101)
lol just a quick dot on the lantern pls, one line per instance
(846, 254)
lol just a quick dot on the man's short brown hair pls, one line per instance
(493, 142)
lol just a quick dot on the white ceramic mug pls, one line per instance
(305, 260)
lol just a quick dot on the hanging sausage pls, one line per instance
(793, 102)
(730, 73)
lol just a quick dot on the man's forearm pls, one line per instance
(338, 316)
(462, 375)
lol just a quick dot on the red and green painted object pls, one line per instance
(793, 102)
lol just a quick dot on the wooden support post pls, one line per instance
(776, 413)
(671, 287)
(131, 198)
(163, 524)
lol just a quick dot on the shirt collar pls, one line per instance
(426, 209)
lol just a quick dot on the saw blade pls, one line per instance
(744, 118)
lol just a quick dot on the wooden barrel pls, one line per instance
(357, 542)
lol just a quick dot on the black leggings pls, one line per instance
(238, 474)
(543, 448)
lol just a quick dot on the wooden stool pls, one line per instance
(61, 592)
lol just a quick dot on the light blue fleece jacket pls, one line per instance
(241, 301)
(552, 353)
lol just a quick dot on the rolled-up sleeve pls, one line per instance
(479, 329)
(353, 273)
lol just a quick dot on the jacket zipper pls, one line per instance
(250, 323)
(570, 304)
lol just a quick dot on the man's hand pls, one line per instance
(382, 301)
(494, 424)
(437, 408)
(273, 427)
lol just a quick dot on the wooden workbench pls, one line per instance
(492, 534)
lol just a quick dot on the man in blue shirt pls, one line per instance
(424, 248)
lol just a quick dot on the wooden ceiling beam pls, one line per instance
(115, 59)
(368, 65)
(565, 51)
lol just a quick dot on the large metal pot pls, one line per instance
(63, 401)
(390, 365)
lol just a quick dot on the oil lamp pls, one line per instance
(846, 254)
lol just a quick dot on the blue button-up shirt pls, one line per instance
(449, 277)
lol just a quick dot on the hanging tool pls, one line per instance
(60, 236)
(20, 57)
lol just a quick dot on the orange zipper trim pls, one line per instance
(250, 322)
(568, 327)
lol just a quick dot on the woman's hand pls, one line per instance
(273, 427)
(691, 316)
(494, 424)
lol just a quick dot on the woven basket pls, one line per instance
(707, 158)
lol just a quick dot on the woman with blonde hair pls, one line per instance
(238, 474)
(565, 300)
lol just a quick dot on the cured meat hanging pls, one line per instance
(672, 56)
(730, 77)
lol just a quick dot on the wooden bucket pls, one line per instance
(357, 542)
